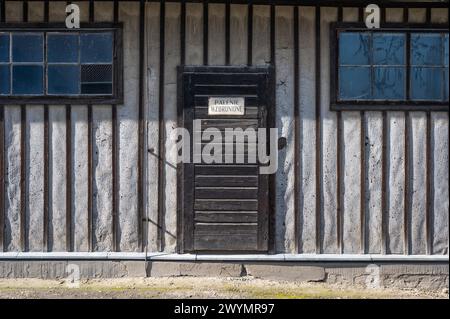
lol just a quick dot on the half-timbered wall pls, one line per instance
(103, 178)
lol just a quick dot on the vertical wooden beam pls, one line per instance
(271, 120)
(46, 160)
(2, 11)
(319, 194)
(297, 168)
(361, 14)
(2, 156)
(227, 32)
(250, 34)
(429, 173)
(180, 243)
(384, 183)
(428, 16)
(384, 172)
(272, 35)
(205, 32)
(68, 178)
(339, 219)
(91, 11)
(162, 130)
(183, 33)
(2, 178)
(407, 189)
(141, 141)
(382, 16)
(90, 159)
(23, 159)
(115, 159)
(363, 214)
(69, 246)
(429, 197)
(90, 180)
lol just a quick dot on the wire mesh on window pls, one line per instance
(96, 73)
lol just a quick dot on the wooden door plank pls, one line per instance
(226, 181)
(243, 204)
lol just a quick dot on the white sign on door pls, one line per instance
(226, 106)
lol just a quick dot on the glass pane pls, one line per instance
(96, 73)
(446, 50)
(426, 49)
(27, 47)
(389, 83)
(354, 83)
(354, 48)
(62, 48)
(63, 79)
(446, 84)
(96, 47)
(4, 79)
(389, 48)
(28, 79)
(96, 88)
(4, 47)
(426, 83)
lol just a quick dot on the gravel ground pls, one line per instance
(189, 287)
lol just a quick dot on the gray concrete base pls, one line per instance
(62, 269)
(426, 276)
(194, 269)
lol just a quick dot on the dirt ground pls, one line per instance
(189, 287)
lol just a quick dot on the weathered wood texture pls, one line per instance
(409, 141)
(223, 196)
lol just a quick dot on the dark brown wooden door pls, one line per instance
(224, 207)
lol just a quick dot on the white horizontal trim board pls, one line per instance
(227, 258)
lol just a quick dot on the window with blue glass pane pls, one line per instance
(27, 80)
(96, 47)
(426, 49)
(4, 47)
(56, 63)
(371, 66)
(4, 79)
(96, 79)
(357, 83)
(354, 48)
(96, 51)
(388, 83)
(446, 84)
(426, 83)
(27, 47)
(4, 64)
(429, 67)
(62, 48)
(63, 79)
(446, 57)
(388, 49)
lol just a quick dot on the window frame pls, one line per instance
(117, 93)
(380, 105)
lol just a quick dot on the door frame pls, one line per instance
(271, 109)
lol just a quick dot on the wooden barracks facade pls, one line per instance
(89, 168)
